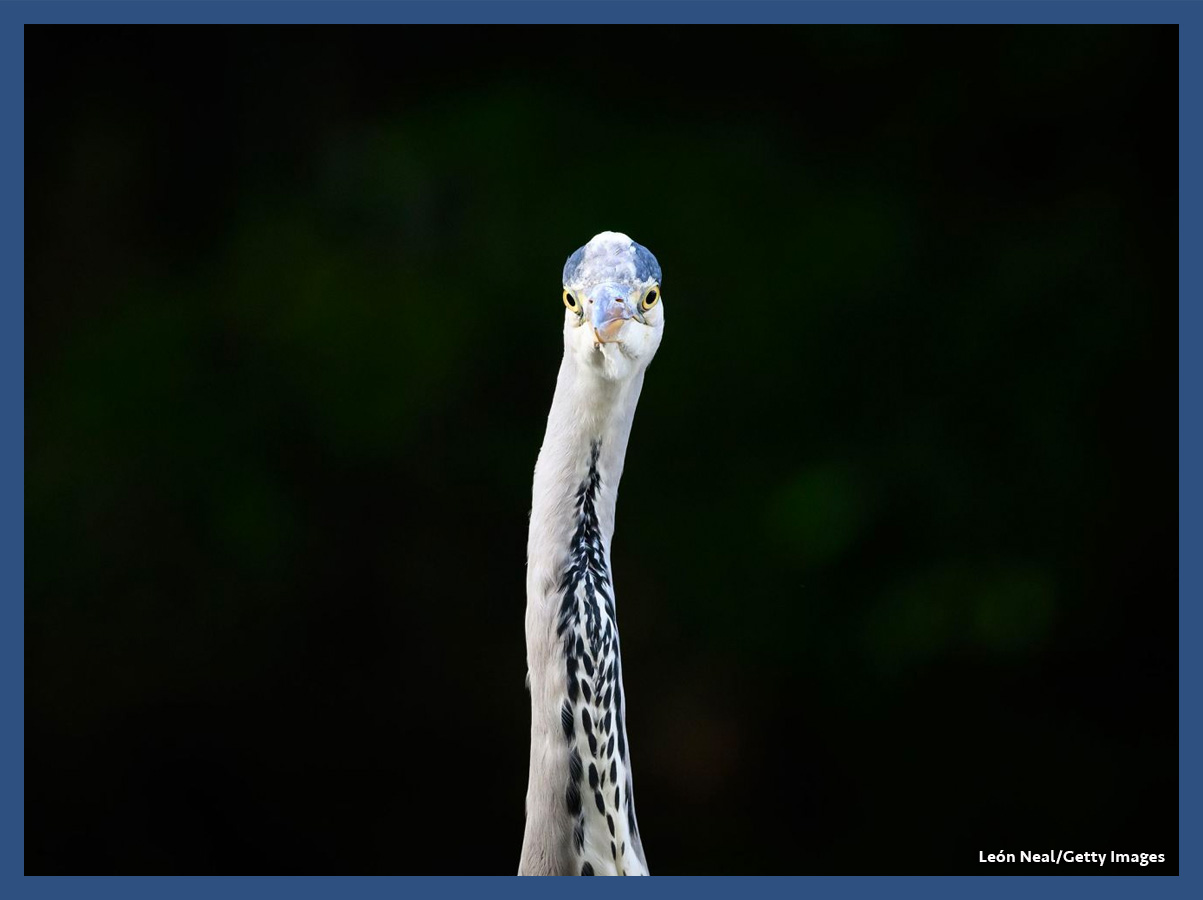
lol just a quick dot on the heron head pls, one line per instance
(614, 316)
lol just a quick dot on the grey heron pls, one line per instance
(580, 812)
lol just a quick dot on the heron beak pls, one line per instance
(608, 317)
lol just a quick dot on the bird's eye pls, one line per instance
(571, 302)
(650, 297)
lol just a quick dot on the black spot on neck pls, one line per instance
(573, 797)
(566, 720)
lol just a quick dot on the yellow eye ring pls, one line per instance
(571, 302)
(650, 297)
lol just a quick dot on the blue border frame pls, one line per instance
(603, 11)
(13, 17)
(1190, 69)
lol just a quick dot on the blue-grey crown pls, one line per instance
(634, 262)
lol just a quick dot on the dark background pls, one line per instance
(895, 544)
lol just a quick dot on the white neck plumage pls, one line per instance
(580, 815)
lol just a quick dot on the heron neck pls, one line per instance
(588, 426)
(571, 629)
